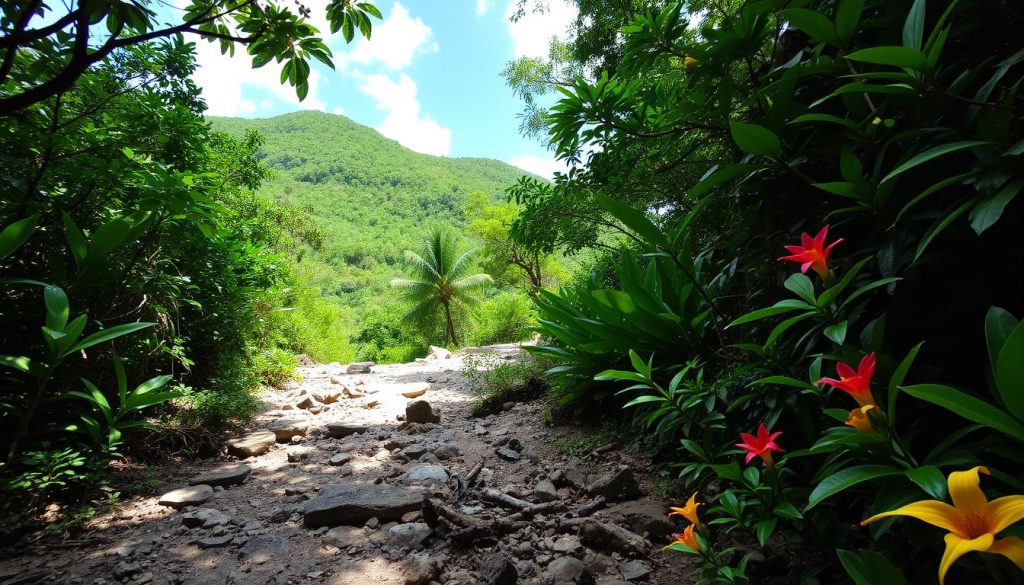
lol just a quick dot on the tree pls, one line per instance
(441, 281)
(490, 223)
(40, 62)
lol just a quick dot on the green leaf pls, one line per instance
(913, 27)
(1010, 372)
(634, 220)
(845, 479)
(787, 510)
(847, 17)
(16, 234)
(895, 56)
(843, 189)
(870, 568)
(778, 308)
(754, 139)
(837, 332)
(829, 118)
(999, 324)
(989, 210)
(57, 308)
(107, 335)
(802, 286)
(24, 364)
(939, 227)
(933, 153)
(816, 25)
(897, 380)
(764, 529)
(969, 407)
(76, 240)
(930, 479)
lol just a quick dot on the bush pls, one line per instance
(496, 381)
(506, 317)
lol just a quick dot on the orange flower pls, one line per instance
(855, 383)
(760, 446)
(812, 253)
(687, 538)
(689, 511)
(860, 420)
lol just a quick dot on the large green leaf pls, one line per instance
(870, 568)
(930, 479)
(16, 234)
(816, 25)
(933, 153)
(1010, 372)
(754, 139)
(969, 407)
(24, 364)
(988, 211)
(57, 308)
(107, 335)
(634, 220)
(999, 324)
(845, 479)
(895, 56)
(913, 27)
(847, 17)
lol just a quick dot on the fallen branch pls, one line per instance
(602, 450)
(588, 508)
(462, 484)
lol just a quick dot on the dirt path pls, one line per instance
(334, 489)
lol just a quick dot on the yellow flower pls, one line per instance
(689, 511)
(860, 420)
(972, 521)
(687, 538)
(690, 63)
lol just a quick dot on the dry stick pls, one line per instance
(602, 449)
(588, 508)
(463, 484)
(494, 496)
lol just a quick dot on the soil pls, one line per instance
(261, 535)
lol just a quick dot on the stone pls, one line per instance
(224, 475)
(411, 389)
(420, 411)
(447, 451)
(596, 564)
(360, 368)
(565, 570)
(307, 401)
(508, 454)
(438, 353)
(297, 454)
(125, 569)
(341, 430)
(354, 504)
(414, 451)
(205, 517)
(634, 570)
(569, 545)
(187, 496)
(340, 458)
(497, 570)
(425, 473)
(327, 395)
(545, 491)
(418, 570)
(409, 536)
(646, 517)
(611, 537)
(344, 536)
(261, 549)
(286, 428)
(252, 444)
(335, 380)
(615, 485)
(215, 541)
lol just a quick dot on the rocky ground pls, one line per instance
(354, 477)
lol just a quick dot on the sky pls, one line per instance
(430, 78)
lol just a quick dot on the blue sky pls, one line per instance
(430, 78)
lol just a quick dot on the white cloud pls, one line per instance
(542, 167)
(223, 79)
(338, 111)
(395, 42)
(403, 121)
(482, 6)
(532, 33)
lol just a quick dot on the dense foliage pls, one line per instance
(717, 133)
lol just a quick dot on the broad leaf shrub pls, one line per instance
(844, 180)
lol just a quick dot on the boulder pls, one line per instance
(438, 353)
(420, 411)
(297, 454)
(615, 485)
(341, 430)
(252, 444)
(545, 491)
(410, 536)
(223, 475)
(360, 368)
(425, 474)
(188, 496)
(645, 517)
(354, 504)
(286, 428)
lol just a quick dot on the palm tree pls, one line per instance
(440, 281)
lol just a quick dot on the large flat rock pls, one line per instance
(354, 504)
(223, 475)
(252, 444)
(189, 496)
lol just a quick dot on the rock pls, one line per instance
(286, 428)
(344, 536)
(425, 473)
(646, 517)
(614, 485)
(206, 518)
(188, 496)
(408, 536)
(545, 491)
(296, 454)
(327, 395)
(230, 474)
(260, 549)
(569, 545)
(497, 570)
(307, 401)
(565, 570)
(354, 504)
(360, 368)
(634, 570)
(411, 389)
(418, 570)
(125, 569)
(596, 564)
(252, 444)
(340, 458)
(215, 541)
(335, 380)
(447, 451)
(508, 454)
(611, 537)
(420, 411)
(438, 353)
(340, 430)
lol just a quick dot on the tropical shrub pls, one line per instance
(505, 317)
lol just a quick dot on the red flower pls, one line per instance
(855, 383)
(812, 253)
(760, 446)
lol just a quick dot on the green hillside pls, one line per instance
(370, 199)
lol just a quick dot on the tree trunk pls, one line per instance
(451, 326)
